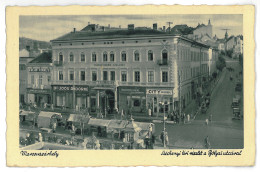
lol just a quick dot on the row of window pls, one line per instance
(39, 79)
(111, 56)
(137, 76)
(187, 55)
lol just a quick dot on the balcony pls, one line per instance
(58, 63)
(162, 62)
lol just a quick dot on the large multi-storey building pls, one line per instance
(127, 69)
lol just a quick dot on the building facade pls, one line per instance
(128, 70)
(24, 59)
(39, 72)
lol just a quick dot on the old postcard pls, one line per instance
(130, 85)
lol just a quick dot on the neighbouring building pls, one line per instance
(235, 43)
(129, 69)
(39, 72)
(202, 30)
(24, 58)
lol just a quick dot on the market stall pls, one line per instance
(115, 127)
(79, 121)
(46, 119)
(98, 126)
(131, 132)
(146, 128)
(27, 116)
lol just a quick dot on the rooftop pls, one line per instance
(79, 35)
(45, 57)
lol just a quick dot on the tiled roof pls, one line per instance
(108, 34)
(45, 57)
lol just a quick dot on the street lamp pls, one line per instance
(164, 129)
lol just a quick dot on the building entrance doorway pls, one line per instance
(108, 101)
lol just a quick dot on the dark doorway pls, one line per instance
(110, 100)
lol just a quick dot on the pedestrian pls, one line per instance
(54, 126)
(40, 138)
(210, 118)
(207, 121)
(150, 112)
(84, 143)
(122, 114)
(207, 142)
(162, 137)
(27, 139)
(166, 139)
(188, 118)
(73, 132)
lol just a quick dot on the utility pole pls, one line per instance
(169, 23)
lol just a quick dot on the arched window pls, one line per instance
(82, 57)
(105, 57)
(112, 56)
(71, 57)
(150, 55)
(136, 56)
(94, 57)
(123, 56)
(60, 57)
(165, 56)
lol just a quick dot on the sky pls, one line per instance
(46, 28)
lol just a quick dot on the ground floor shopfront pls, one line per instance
(39, 96)
(111, 99)
(141, 99)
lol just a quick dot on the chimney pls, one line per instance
(131, 27)
(74, 30)
(108, 26)
(155, 26)
(119, 26)
(27, 47)
(164, 29)
(103, 28)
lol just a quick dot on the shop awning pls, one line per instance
(78, 118)
(117, 124)
(98, 122)
(23, 112)
(49, 114)
(132, 126)
(103, 88)
(144, 125)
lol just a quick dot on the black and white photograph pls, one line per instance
(112, 82)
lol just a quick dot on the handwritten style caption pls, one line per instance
(210, 153)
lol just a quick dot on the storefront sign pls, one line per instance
(39, 69)
(131, 90)
(113, 64)
(70, 88)
(158, 92)
(39, 91)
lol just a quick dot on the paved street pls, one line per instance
(223, 132)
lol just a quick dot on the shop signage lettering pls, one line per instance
(39, 69)
(159, 92)
(70, 88)
(113, 64)
(38, 91)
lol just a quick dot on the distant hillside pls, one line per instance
(34, 44)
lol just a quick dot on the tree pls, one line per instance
(229, 53)
(221, 63)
